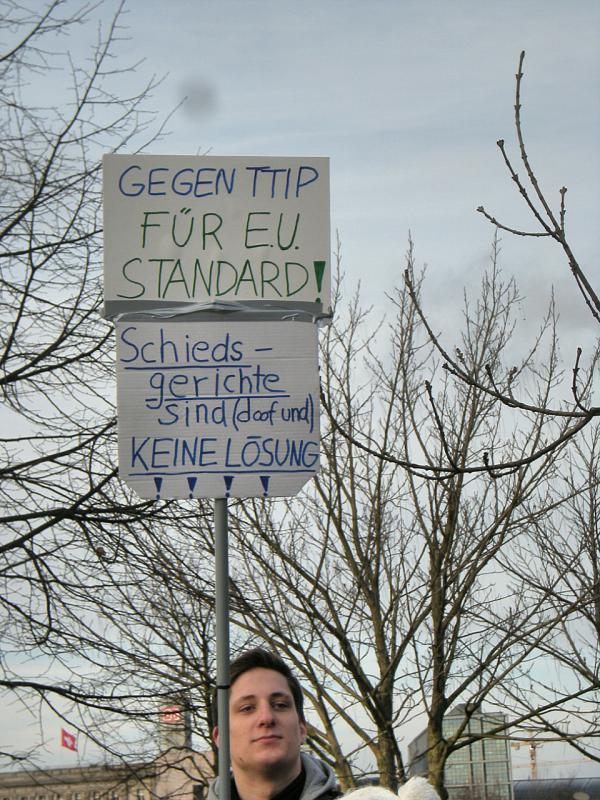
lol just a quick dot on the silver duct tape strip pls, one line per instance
(119, 310)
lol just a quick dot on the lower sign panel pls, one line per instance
(217, 409)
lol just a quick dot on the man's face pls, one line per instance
(265, 731)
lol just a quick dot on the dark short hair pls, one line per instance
(258, 657)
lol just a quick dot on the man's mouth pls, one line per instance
(268, 737)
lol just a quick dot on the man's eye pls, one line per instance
(282, 706)
(245, 708)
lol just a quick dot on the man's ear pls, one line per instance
(302, 732)
(215, 735)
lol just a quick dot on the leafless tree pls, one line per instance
(60, 502)
(390, 592)
(558, 562)
(385, 588)
(498, 381)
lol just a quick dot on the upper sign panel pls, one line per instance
(182, 232)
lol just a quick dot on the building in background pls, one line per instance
(477, 771)
(558, 789)
(175, 724)
(176, 774)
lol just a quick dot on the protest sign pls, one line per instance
(184, 231)
(217, 409)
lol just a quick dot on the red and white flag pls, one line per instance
(68, 740)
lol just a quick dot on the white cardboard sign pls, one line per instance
(217, 409)
(188, 230)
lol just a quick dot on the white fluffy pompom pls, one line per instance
(414, 789)
(418, 789)
(370, 793)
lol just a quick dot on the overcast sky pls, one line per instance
(407, 98)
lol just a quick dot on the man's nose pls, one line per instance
(265, 714)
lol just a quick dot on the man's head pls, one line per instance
(266, 718)
(259, 657)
